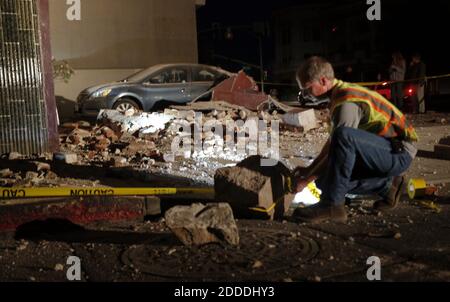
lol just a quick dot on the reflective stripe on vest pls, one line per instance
(384, 118)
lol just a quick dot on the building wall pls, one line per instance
(116, 37)
(341, 34)
(27, 104)
(117, 34)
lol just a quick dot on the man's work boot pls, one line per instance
(393, 196)
(321, 212)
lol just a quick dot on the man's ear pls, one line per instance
(323, 81)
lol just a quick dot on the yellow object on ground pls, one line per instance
(309, 196)
(430, 205)
(416, 187)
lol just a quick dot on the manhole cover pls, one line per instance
(261, 253)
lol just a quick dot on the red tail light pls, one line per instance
(409, 91)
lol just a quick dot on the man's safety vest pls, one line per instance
(384, 118)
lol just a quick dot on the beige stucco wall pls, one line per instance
(117, 34)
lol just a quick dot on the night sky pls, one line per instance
(408, 26)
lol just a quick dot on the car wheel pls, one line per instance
(123, 105)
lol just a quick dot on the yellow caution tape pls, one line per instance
(314, 190)
(385, 83)
(371, 83)
(262, 210)
(430, 205)
(289, 184)
(11, 193)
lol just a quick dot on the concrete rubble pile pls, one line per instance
(127, 136)
(141, 141)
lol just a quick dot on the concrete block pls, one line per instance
(201, 224)
(254, 191)
(442, 151)
(445, 141)
(304, 119)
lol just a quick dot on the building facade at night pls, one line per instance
(341, 33)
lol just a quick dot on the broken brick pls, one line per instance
(109, 133)
(70, 125)
(142, 147)
(6, 173)
(68, 158)
(118, 161)
(40, 166)
(14, 156)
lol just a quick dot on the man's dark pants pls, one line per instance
(359, 162)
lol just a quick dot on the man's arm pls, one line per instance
(304, 175)
(346, 115)
(317, 167)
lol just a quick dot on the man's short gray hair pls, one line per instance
(313, 69)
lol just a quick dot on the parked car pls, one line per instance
(151, 88)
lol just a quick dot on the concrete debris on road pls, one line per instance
(140, 121)
(200, 224)
(254, 191)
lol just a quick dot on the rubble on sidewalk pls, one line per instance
(141, 141)
(239, 89)
(68, 158)
(138, 122)
(201, 224)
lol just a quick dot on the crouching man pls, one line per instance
(369, 149)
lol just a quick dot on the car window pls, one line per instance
(174, 75)
(203, 74)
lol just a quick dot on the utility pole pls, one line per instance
(261, 65)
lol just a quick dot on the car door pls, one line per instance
(169, 85)
(203, 78)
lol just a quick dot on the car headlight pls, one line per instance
(100, 93)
